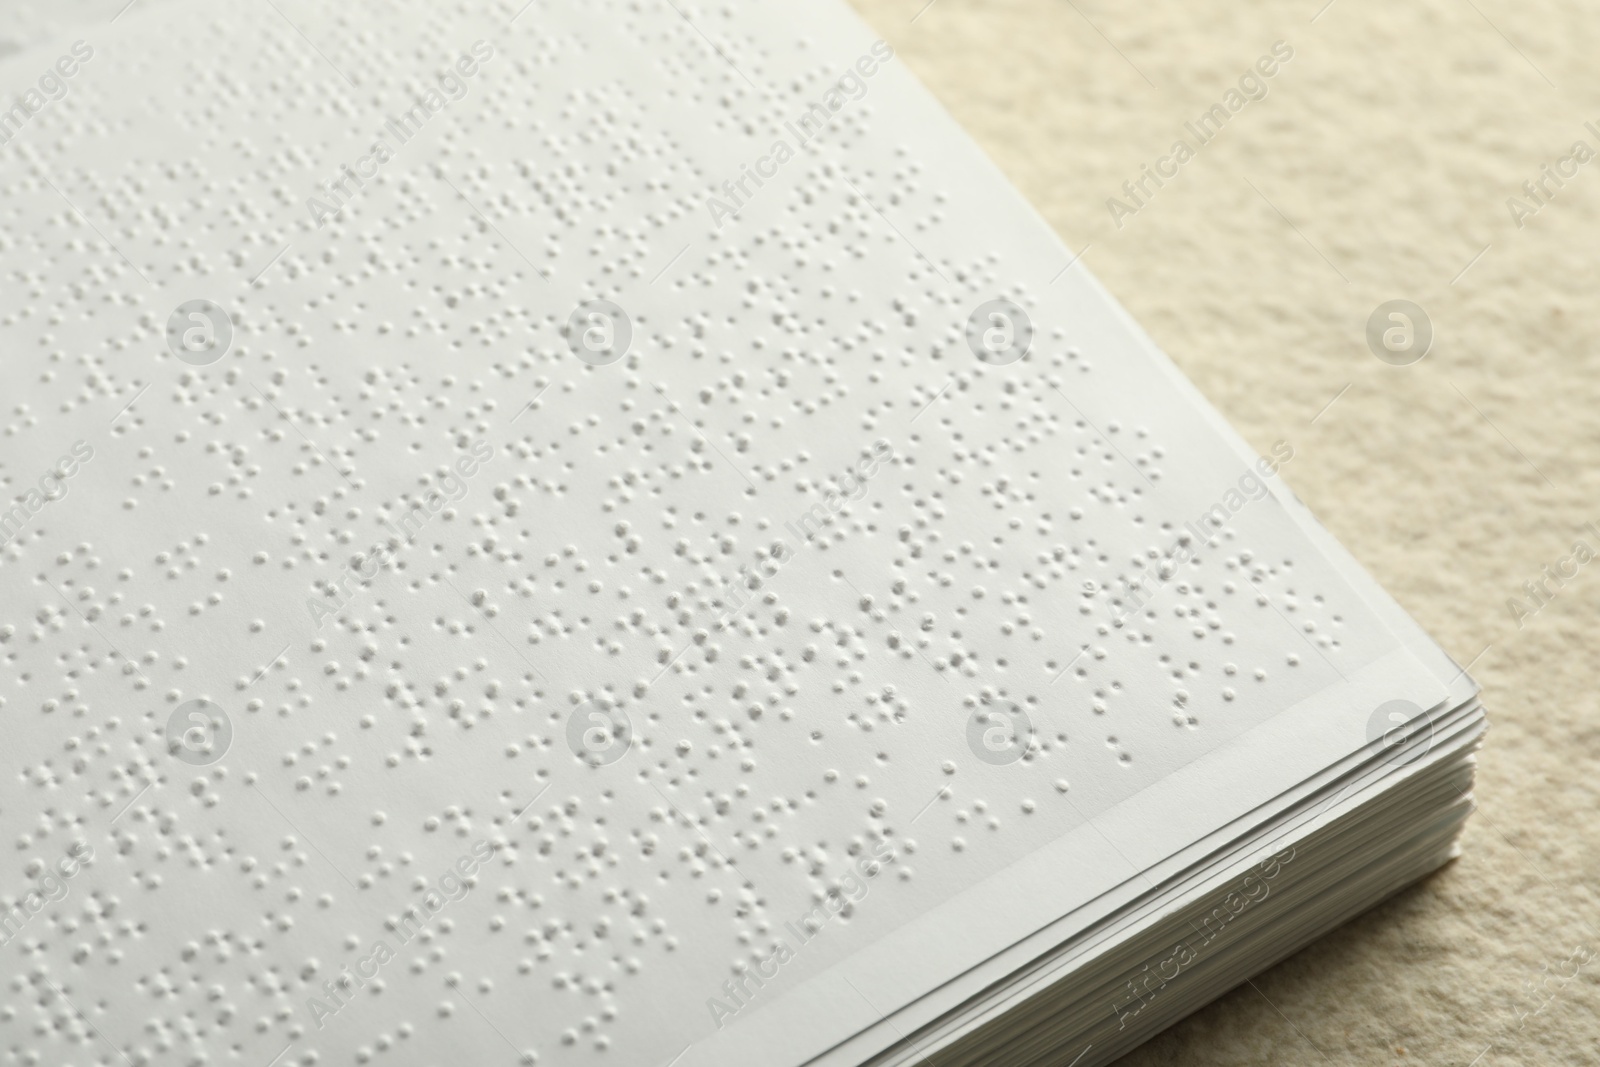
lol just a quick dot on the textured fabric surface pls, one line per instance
(1378, 166)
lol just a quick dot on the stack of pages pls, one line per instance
(608, 533)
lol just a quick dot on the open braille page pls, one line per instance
(595, 533)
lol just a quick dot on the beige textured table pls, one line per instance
(1378, 166)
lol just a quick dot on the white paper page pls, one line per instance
(418, 337)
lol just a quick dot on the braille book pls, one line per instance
(608, 533)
